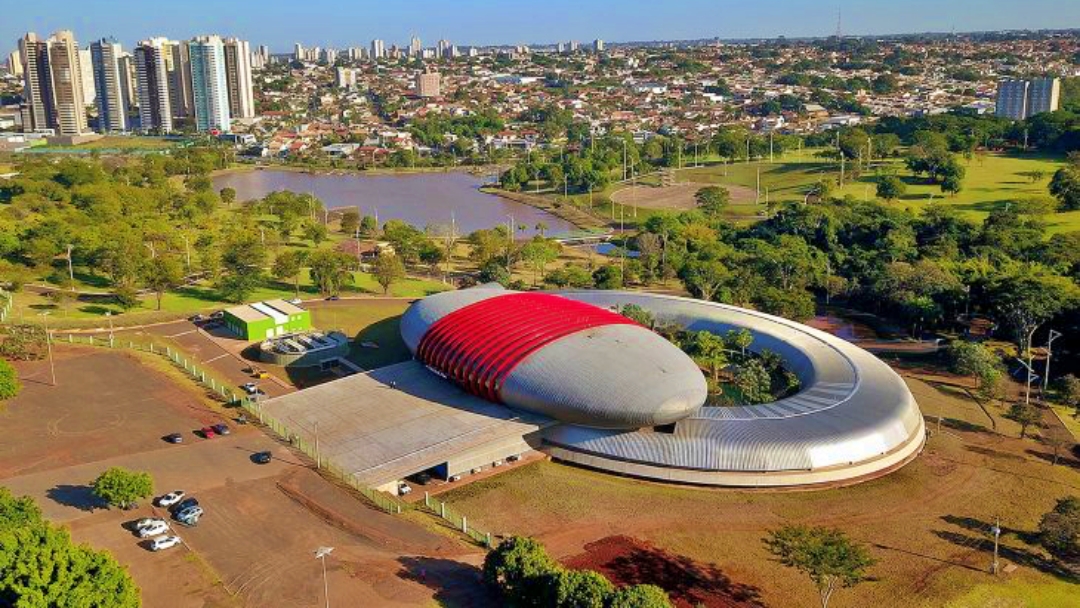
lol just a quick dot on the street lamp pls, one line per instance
(48, 345)
(1054, 335)
(320, 554)
(108, 315)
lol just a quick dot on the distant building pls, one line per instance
(14, 64)
(209, 84)
(345, 78)
(110, 82)
(378, 50)
(67, 84)
(428, 84)
(298, 52)
(1020, 99)
(238, 78)
(598, 46)
(178, 67)
(152, 85)
(38, 109)
(415, 47)
(89, 90)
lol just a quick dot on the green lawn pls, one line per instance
(992, 181)
(90, 310)
(122, 142)
(367, 321)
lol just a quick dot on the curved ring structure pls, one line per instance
(853, 418)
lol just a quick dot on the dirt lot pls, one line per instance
(678, 197)
(254, 547)
(927, 524)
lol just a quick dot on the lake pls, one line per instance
(419, 199)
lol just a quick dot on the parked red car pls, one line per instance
(207, 432)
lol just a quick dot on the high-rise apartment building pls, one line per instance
(65, 70)
(238, 78)
(298, 51)
(89, 90)
(428, 84)
(209, 83)
(128, 83)
(152, 84)
(109, 82)
(1020, 99)
(415, 47)
(14, 64)
(38, 109)
(178, 66)
(378, 49)
(598, 46)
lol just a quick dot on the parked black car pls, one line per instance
(175, 438)
(221, 429)
(262, 457)
(184, 504)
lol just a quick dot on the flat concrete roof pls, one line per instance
(246, 313)
(283, 306)
(382, 434)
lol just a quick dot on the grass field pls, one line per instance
(124, 143)
(926, 524)
(91, 310)
(367, 321)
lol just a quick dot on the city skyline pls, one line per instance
(474, 22)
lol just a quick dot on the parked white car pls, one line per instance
(147, 522)
(171, 498)
(403, 488)
(155, 529)
(164, 542)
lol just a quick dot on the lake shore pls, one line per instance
(380, 171)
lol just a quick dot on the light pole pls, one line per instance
(1054, 335)
(71, 270)
(108, 315)
(996, 531)
(321, 554)
(48, 345)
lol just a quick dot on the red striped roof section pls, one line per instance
(477, 346)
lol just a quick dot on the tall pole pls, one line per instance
(1054, 335)
(71, 271)
(108, 314)
(48, 345)
(318, 456)
(321, 554)
(997, 536)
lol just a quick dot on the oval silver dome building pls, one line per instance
(578, 363)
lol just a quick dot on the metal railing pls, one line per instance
(382, 500)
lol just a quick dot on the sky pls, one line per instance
(342, 23)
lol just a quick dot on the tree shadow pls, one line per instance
(80, 497)
(961, 425)
(454, 583)
(1016, 555)
(1062, 458)
(993, 453)
(627, 561)
(929, 557)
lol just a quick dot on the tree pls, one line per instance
(539, 252)
(518, 567)
(827, 556)
(739, 339)
(9, 381)
(1065, 187)
(891, 188)
(640, 596)
(330, 270)
(288, 266)
(242, 262)
(1027, 298)
(1059, 529)
(161, 274)
(121, 487)
(1024, 414)
(388, 270)
(608, 276)
(228, 195)
(754, 382)
(712, 200)
(41, 566)
(17, 512)
(316, 233)
(704, 278)
(638, 315)
(1068, 392)
(973, 359)
(710, 351)
(126, 297)
(579, 589)
(350, 221)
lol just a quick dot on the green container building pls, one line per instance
(262, 320)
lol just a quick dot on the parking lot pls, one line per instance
(254, 545)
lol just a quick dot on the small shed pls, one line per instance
(263, 320)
